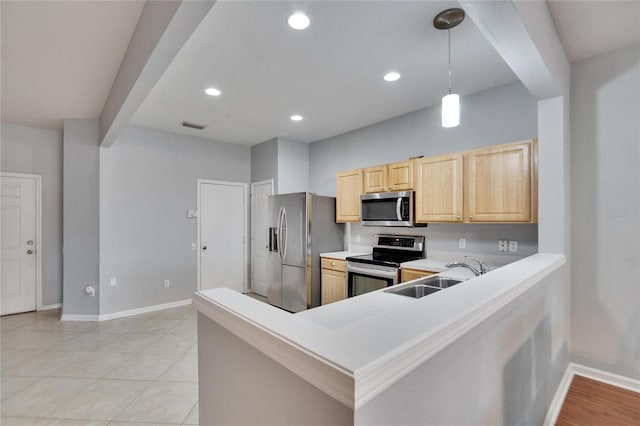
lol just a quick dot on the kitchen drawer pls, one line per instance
(333, 264)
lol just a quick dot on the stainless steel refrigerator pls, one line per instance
(302, 226)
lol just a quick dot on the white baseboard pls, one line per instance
(127, 313)
(50, 307)
(588, 372)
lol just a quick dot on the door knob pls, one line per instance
(29, 251)
(204, 247)
(30, 243)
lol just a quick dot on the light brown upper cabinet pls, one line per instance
(389, 177)
(375, 179)
(439, 188)
(400, 176)
(501, 183)
(348, 192)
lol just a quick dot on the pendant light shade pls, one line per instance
(446, 20)
(450, 110)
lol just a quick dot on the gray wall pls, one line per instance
(293, 166)
(39, 151)
(605, 179)
(504, 114)
(81, 218)
(503, 372)
(147, 183)
(264, 162)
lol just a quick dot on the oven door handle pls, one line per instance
(374, 272)
(399, 208)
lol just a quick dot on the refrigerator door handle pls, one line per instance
(283, 233)
(279, 233)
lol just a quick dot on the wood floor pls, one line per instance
(590, 402)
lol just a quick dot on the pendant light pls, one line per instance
(446, 20)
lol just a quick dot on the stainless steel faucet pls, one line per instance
(483, 268)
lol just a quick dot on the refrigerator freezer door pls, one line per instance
(294, 288)
(274, 293)
(295, 235)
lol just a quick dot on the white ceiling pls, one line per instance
(589, 28)
(330, 73)
(59, 58)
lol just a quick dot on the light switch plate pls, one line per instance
(462, 243)
(502, 245)
(191, 214)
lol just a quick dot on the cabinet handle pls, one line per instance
(333, 263)
(470, 217)
(457, 217)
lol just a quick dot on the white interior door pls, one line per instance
(19, 245)
(260, 216)
(222, 219)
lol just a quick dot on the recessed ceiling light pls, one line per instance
(298, 21)
(391, 76)
(212, 91)
(296, 117)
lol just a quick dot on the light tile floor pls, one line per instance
(129, 371)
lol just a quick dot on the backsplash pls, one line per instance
(442, 240)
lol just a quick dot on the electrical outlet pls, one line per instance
(357, 238)
(113, 282)
(194, 247)
(462, 243)
(166, 283)
(502, 245)
(513, 246)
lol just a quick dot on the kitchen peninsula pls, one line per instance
(382, 358)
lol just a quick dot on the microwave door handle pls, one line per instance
(399, 208)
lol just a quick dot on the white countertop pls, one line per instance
(342, 255)
(375, 338)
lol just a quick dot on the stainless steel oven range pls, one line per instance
(381, 268)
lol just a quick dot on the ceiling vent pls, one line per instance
(193, 125)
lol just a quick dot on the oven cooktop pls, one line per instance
(392, 250)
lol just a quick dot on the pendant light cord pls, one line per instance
(449, 34)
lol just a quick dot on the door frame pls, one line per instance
(252, 207)
(40, 246)
(244, 186)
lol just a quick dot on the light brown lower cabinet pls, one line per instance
(408, 274)
(333, 280)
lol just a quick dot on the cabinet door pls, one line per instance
(334, 287)
(400, 176)
(439, 184)
(412, 274)
(498, 184)
(375, 179)
(348, 192)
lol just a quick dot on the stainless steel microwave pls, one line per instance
(387, 209)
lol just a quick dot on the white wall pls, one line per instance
(39, 151)
(239, 385)
(147, 183)
(503, 372)
(605, 179)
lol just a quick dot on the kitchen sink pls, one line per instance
(424, 287)
(441, 282)
(416, 291)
